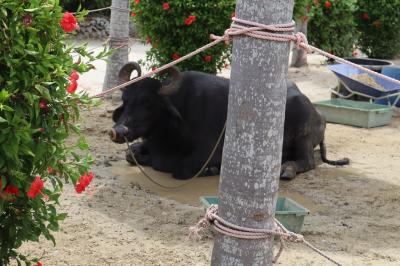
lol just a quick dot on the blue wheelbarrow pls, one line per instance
(387, 92)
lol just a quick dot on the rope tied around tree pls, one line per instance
(222, 226)
(264, 32)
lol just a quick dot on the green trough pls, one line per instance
(288, 212)
(354, 113)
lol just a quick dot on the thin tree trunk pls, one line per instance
(253, 143)
(119, 40)
(299, 56)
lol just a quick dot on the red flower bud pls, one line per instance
(74, 75)
(38, 264)
(365, 16)
(137, 1)
(72, 87)
(133, 14)
(165, 6)
(11, 190)
(377, 24)
(207, 58)
(43, 104)
(27, 20)
(175, 56)
(153, 69)
(50, 170)
(69, 22)
(148, 39)
(41, 129)
(328, 4)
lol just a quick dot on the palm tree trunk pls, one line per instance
(299, 56)
(254, 135)
(119, 40)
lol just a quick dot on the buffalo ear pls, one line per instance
(117, 113)
(175, 82)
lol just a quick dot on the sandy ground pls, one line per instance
(125, 220)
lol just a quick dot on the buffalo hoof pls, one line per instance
(210, 171)
(288, 172)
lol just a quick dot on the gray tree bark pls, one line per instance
(299, 56)
(253, 142)
(119, 36)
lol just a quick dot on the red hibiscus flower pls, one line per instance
(190, 20)
(165, 6)
(175, 56)
(84, 181)
(11, 190)
(43, 104)
(328, 4)
(36, 187)
(207, 58)
(74, 75)
(72, 87)
(69, 22)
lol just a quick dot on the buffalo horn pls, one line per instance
(126, 71)
(176, 79)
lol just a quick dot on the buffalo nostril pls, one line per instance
(113, 134)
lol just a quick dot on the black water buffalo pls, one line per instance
(179, 123)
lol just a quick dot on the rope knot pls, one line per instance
(301, 38)
(204, 223)
(293, 237)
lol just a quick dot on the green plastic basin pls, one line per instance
(288, 212)
(354, 113)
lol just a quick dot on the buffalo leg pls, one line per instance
(141, 152)
(303, 160)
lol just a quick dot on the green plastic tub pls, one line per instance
(354, 113)
(288, 212)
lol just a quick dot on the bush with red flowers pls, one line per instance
(379, 24)
(331, 26)
(176, 27)
(39, 108)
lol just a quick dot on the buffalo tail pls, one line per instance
(344, 161)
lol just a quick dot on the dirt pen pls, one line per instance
(125, 220)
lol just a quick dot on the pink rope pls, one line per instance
(226, 228)
(254, 30)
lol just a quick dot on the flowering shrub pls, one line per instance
(379, 24)
(38, 110)
(176, 27)
(332, 27)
